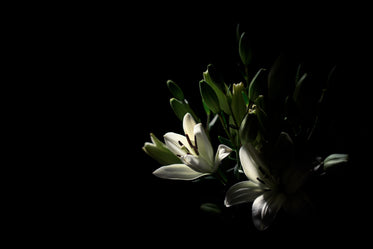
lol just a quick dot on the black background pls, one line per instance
(117, 63)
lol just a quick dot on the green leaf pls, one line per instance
(206, 108)
(175, 90)
(298, 89)
(209, 97)
(256, 86)
(244, 49)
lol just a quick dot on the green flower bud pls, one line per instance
(211, 77)
(209, 96)
(249, 128)
(175, 90)
(238, 103)
(179, 108)
(159, 151)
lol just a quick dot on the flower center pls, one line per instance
(194, 147)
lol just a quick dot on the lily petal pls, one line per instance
(188, 126)
(177, 172)
(222, 152)
(175, 143)
(197, 163)
(242, 192)
(203, 144)
(251, 163)
(265, 209)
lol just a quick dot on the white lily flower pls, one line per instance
(195, 151)
(261, 189)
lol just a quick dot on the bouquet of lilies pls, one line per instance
(262, 128)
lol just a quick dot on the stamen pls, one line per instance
(196, 147)
(180, 143)
(189, 142)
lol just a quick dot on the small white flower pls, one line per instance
(262, 189)
(195, 151)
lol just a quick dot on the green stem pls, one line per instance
(223, 122)
(247, 75)
(221, 176)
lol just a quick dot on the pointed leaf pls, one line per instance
(257, 85)
(244, 49)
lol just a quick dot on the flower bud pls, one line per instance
(159, 151)
(249, 128)
(179, 108)
(209, 96)
(238, 103)
(175, 90)
(211, 77)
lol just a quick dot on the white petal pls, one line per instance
(188, 125)
(241, 192)
(222, 152)
(175, 142)
(203, 144)
(249, 166)
(265, 209)
(197, 163)
(177, 172)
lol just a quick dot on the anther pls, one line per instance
(189, 142)
(196, 146)
(260, 180)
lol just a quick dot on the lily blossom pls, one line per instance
(195, 152)
(261, 188)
